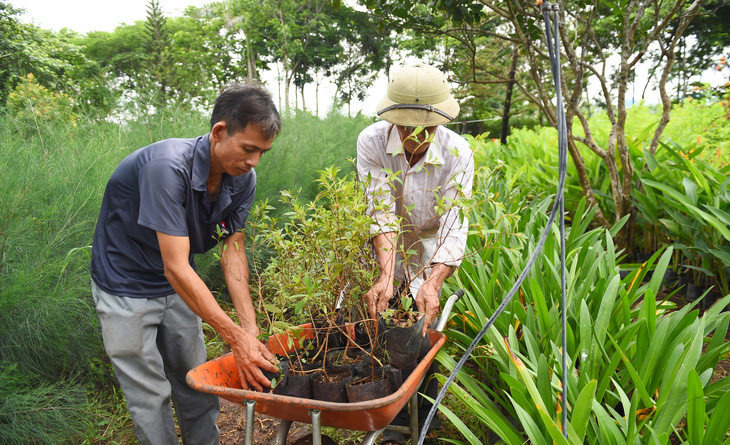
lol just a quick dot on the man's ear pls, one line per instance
(219, 130)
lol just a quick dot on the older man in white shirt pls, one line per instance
(416, 173)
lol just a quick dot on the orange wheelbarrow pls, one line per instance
(220, 377)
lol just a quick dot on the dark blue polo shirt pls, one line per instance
(162, 188)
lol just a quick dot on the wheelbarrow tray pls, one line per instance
(220, 377)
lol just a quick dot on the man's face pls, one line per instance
(418, 143)
(237, 153)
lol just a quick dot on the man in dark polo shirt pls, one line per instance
(163, 204)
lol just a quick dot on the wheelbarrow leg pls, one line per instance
(414, 416)
(250, 405)
(316, 426)
(371, 436)
(283, 432)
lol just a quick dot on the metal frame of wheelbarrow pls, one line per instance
(220, 376)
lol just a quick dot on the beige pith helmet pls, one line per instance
(418, 95)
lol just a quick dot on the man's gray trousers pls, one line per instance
(152, 344)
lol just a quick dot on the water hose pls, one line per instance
(550, 15)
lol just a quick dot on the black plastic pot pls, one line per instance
(394, 377)
(709, 299)
(298, 385)
(331, 391)
(693, 292)
(402, 345)
(361, 335)
(333, 335)
(364, 389)
(670, 278)
(642, 257)
(350, 357)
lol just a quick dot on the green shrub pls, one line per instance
(320, 253)
(34, 106)
(48, 332)
(51, 412)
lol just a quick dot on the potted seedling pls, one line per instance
(317, 271)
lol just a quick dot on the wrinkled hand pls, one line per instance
(427, 301)
(378, 297)
(251, 355)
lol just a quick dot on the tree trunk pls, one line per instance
(508, 97)
(250, 61)
(304, 105)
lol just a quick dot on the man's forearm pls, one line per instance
(384, 245)
(235, 272)
(190, 286)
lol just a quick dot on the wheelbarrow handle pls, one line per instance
(446, 311)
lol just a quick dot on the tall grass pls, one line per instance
(307, 145)
(53, 180)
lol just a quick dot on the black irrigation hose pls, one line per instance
(554, 53)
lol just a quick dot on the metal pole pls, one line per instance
(413, 405)
(250, 405)
(316, 426)
(283, 432)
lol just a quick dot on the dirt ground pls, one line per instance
(232, 423)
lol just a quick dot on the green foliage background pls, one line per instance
(94, 98)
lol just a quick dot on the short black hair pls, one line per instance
(243, 104)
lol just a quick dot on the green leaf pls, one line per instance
(691, 208)
(606, 308)
(475, 400)
(720, 214)
(671, 402)
(690, 189)
(695, 408)
(661, 267)
(458, 423)
(540, 305)
(609, 432)
(528, 423)
(299, 306)
(722, 256)
(719, 423)
(553, 429)
(582, 409)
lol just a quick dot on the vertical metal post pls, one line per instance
(283, 432)
(413, 408)
(250, 405)
(316, 426)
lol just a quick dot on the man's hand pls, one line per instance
(427, 301)
(251, 355)
(378, 296)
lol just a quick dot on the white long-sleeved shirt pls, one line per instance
(423, 198)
